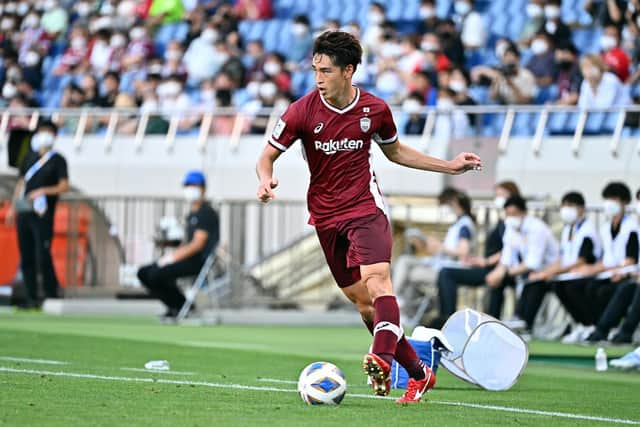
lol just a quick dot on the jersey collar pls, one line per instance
(345, 109)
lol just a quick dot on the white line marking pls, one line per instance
(280, 390)
(155, 371)
(27, 360)
(273, 380)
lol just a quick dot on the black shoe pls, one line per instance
(596, 336)
(170, 315)
(621, 338)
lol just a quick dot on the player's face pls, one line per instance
(330, 79)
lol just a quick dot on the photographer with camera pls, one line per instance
(510, 82)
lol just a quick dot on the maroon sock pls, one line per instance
(407, 357)
(387, 329)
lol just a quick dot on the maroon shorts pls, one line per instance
(354, 242)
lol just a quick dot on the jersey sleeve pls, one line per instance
(387, 132)
(465, 233)
(288, 128)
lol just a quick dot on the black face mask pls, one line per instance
(565, 65)
(509, 70)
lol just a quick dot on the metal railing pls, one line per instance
(607, 121)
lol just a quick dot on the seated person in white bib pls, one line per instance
(579, 245)
(475, 269)
(455, 206)
(528, 246)
(43, 178)
(586, 298)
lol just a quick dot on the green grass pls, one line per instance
(245, 356)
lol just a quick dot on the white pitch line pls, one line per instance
(280, 390)
(273, 380)
(157, 371)
(27, 360)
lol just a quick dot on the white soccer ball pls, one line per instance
(322, 383)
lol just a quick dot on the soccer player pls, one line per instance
(337, 124)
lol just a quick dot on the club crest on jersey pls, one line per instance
(365, 124)
(318, 128)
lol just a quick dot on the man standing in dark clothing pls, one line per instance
(202, 235)
(43, 178)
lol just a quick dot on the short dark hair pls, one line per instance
(342, 47)
(510, 186)
(574, 198)
(47, 125)
(447, 194)
(617, 190)
(516, 201)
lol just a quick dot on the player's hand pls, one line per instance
(265, 190)
(465, 162)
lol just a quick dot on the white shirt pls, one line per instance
(452, 239)
(532, 244)
(474, 31)
(611, 92)
(570, 248)
(615, 250)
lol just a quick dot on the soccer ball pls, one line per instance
(322, 383)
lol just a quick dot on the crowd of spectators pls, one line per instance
(166, 56)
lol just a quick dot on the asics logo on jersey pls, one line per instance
(318, 128)
(333, 146)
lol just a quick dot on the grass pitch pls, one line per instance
(68, 371)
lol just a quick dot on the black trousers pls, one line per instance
(448, 281)
(161, 281)
(496, 297)
(34, 241)
(531, 300)
(585, 299)
(626, 294)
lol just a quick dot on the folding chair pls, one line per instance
(205, 280)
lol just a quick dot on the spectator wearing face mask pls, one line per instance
(510, 82)
(568, 78)
(55, 19)
(450, 42)
(76, 55)
(32, 37)
(528, 246)
(475, 269)
(301, 40)
(43, 178)
(613, 55)
(587, 300)
(412, 107)
(274, 70)
(608, 12)
(557, 30)
(534, 23)
(204, 56)
(542, 64)
(473, 29)
(372, 36)
(428, 18)
(173, 61)
(202, 236)
(600, 88)
(579, 245)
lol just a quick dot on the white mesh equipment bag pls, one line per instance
(486, 352)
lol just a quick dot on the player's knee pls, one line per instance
(378, 284)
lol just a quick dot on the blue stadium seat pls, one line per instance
(444, 8)
(515, 25)
(523, 124)
(545, 94)
(557, 122)
(610, 121)
(594, 124)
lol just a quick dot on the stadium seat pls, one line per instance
(594, 124)
(557, 122)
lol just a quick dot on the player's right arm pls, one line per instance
(264, 169)
(284, 134)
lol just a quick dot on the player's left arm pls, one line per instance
(405, 155)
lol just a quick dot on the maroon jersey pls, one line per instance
(337, 146)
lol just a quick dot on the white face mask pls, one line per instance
(551, 27)
(429, 46)
(411, 106)
(172, 55)
(534, 10)
(192, 193)
(513, 222)
(462, 7)
(446, 213)
(267, 90)
(31, 58)
(117, 41)
(608, 42)
(42, 140)
(209, 35)
(499, 201)
(539, 46)
(375, 18)
(611, 208)
(271, 68)
(427, 12)
(551, 12)
(457, 86)
(137, 33)
(9, 91)
(299, 30)
(500, 49)
(568, 214)
(78, 43)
